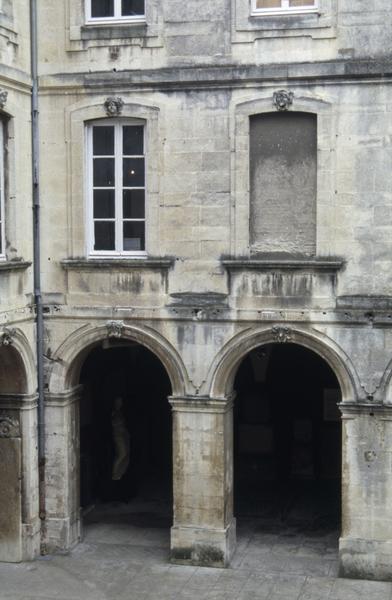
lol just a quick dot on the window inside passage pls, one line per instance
(284, 4)
(118, 188)
(101, 9)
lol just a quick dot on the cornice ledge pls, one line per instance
(14, 265)
(18, 401)
(369, 408)
(285, 264)
(117, 263)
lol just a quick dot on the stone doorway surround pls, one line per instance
(365, 546)
(63, 524)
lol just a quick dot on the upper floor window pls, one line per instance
(114, 10)
(116, 188)
(262, 7)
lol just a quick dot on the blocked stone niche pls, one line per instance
(283, 182)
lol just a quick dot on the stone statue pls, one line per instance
(121, 441)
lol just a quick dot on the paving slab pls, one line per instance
(123, 558)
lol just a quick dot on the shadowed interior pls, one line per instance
(133, 373)
(287, 435)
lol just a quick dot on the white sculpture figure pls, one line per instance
(121, 441)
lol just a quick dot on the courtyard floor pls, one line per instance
(125, 556)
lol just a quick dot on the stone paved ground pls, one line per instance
(124, 556)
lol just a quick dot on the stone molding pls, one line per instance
(240, 112)
(204, 404)
(206, 76)
(76, 116)
(225, 365)
(68, 358)
(117, 263)
(18, 402)
(14, 265)
(65, 398)
(351, 410)
(277, 264)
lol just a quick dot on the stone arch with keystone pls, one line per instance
(63, 524)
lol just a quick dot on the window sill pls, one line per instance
(285, 264)
(284, 13)
(117, 263)
(117, 30)
(14, 265)
(278, 21)
(117, 21)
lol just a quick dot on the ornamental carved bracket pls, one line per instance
(115, 329)
(9, 427)
(283, 99)
(282, 335)
(3, 98)
(113, 106)
(6, 337)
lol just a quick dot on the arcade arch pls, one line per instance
(90, 371)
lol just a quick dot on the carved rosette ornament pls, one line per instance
(282, 335)
(6, 338)
(283, 99)
(3, 98)
(9, 427)
(115, 329)
(113, 106)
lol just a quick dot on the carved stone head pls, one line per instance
(3, 98)
(113, 106)
(283, 99)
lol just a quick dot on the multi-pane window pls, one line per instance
(276, 6)
(103, 10)
(116, 194)
(2, 229)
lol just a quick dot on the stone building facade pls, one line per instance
(215, 185)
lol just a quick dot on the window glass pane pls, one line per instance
(132, 7)
(104, 235)
(133, 172)
(133, 140)
(293, 3)
(103, 204)
(133, 204)
(268, 3)
(133, 236)
(103, 172)
(102, 8)
(103, 141)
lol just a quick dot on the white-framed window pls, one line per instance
(116, 188)
(278, 7)
(103, 11)
(2, 192)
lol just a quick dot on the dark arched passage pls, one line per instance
(125, 389)
(287, 438)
